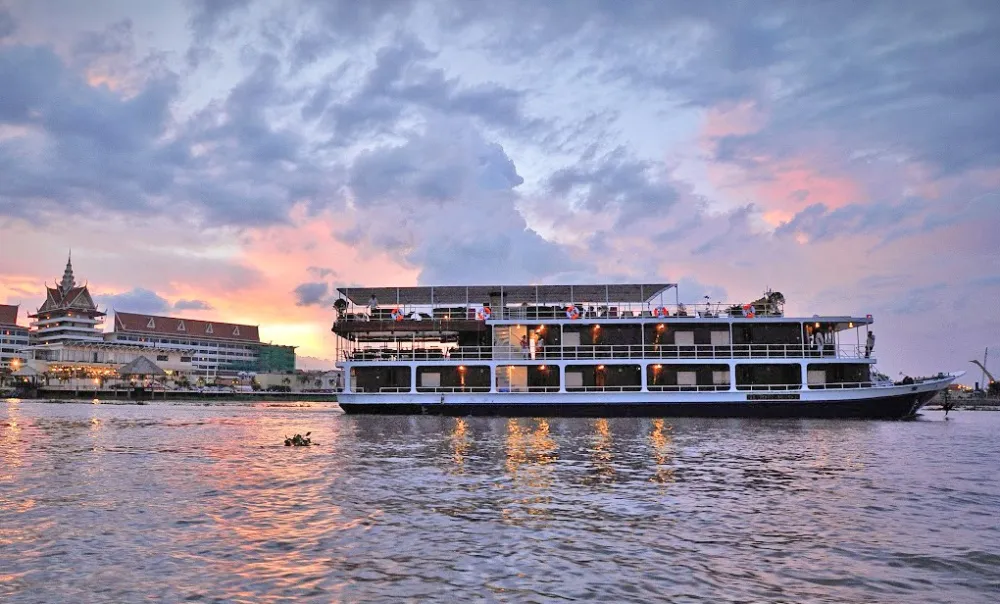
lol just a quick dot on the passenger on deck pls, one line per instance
(870, 344)
(524, 346)
(372, 305)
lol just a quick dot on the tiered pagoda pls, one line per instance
(69, 314)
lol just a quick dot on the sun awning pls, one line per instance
(507, 294)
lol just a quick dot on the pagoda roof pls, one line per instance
(179, 327)
(8, 314)
(511, 294)
(76, 298)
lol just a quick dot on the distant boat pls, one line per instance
(607, 350)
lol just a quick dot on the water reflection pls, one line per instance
(459, 442)
(530, 453)
(661, 444)
(601, 455)
(129, 503)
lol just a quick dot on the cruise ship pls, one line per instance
(607, 350)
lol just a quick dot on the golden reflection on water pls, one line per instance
(531, 451)
(601, 457)
(661, 443)
(459, 442)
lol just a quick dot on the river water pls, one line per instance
(122, 503)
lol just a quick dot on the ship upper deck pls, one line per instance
(432, 309)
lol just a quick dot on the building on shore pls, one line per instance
(68, 314)
(13, 338)
(215, 349)
(67, 341)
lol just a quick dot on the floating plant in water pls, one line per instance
(299, 441)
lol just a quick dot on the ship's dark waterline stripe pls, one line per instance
(891, 407)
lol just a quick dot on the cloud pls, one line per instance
(137, 300)
(7, 24)
(819, 223)
(311, 294)
(616, 181)
(445, 201)
(401, 82)
(192, 305)
(206, 22)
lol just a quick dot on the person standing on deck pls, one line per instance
(524, 346)
(372, 305)
(870, 344)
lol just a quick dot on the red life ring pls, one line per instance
(748, 311)
(485, 314)
(660, 311)
(396, 315)
(572, 312)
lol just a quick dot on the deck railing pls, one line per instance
(621, 388)
(569, 310)
(647, 352)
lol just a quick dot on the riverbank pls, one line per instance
(129, 396)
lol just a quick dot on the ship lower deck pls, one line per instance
(891, 402)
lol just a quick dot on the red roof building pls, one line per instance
(179, 327)
(8, 314)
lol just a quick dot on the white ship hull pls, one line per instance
(888, 402)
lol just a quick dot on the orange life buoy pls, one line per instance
(485, 314)
(396, 315)
(572, 312)
(748, 311)
(660, 312)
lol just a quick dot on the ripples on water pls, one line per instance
(125, 503)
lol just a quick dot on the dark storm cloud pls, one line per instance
(311, 294)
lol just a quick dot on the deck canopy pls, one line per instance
(507, 294)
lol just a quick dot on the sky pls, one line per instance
(236, 160)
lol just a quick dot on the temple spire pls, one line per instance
(68, 282)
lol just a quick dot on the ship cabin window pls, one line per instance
(453, 378)
(614, 378)
(838, 375)
(527, 378)
(687, 377)
(686, 340)
(767, 333)
(774, 340)
(383, 378)
(776, 376)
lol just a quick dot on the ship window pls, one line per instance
(684, 338)
(687, 378)
(720, 338)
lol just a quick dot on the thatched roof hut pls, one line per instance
(141, 367)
